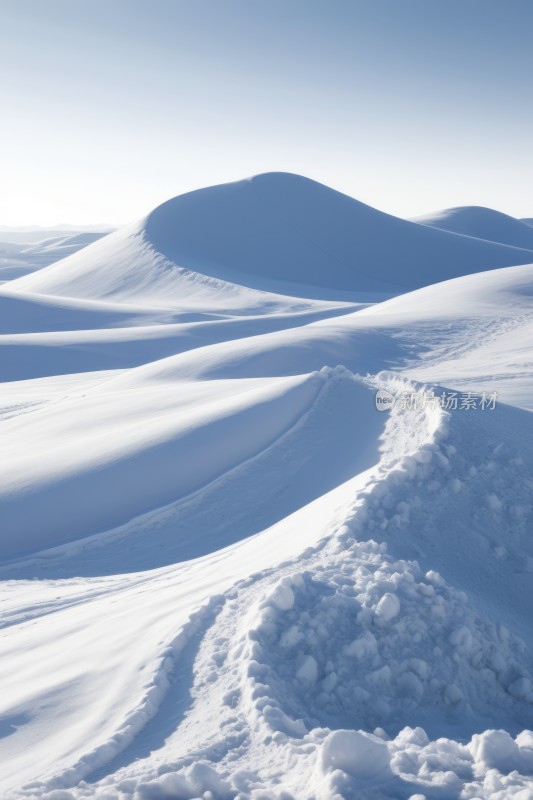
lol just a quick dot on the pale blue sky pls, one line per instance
(110, 107)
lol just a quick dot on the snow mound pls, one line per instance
(481, 223)
(275, 232)
(333, 661)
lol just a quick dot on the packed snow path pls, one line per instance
(224, 573)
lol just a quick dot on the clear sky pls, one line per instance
(109, 107)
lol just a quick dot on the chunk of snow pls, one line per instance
(453, 694)
(521, 689)
(494, 502)
(329, 682)
(495, 750)
(308, 670)
(411, 685)
(282, 597)
(357, 753)
(362, 647)
(455, 485)
(387, 609)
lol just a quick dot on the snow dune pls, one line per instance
(275, 232)
(20, 254)
(106, 456)
(482, 223)
(224, 574)
(474, 331)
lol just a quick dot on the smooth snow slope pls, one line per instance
(474, 332)
(120, 454)
(276, 232)
(483, 223)
(223, 574)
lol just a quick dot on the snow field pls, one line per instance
(225, 575)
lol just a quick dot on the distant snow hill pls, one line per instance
(31, 234)
(277, 232)
(22, 252)
(483, 223)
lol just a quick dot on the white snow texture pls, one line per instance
(226, 575)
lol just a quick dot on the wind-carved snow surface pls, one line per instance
(224, 574)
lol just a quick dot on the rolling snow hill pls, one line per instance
(482, 223)
(18, 258)
(224, 574)
(276, 232)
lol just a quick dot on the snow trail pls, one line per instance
(271, 703)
